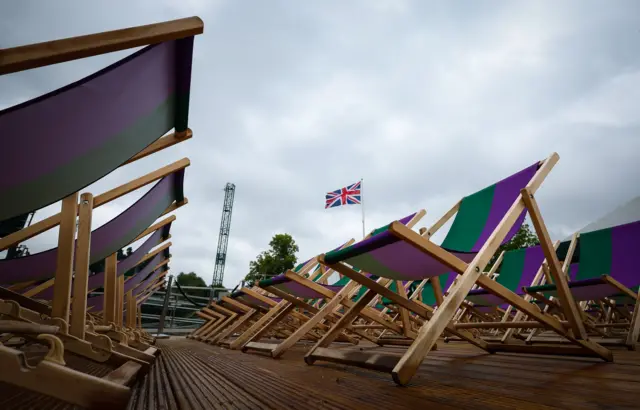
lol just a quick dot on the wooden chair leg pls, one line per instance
(634, 329)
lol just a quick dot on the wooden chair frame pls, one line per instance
(50, 376)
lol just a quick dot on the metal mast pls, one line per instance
(223, 239)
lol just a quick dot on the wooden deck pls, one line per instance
(193, 375)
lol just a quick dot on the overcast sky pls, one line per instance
(427, 101)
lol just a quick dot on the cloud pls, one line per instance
(426, 101)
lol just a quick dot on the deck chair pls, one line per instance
(278, 321)
(605, 270)
(104, 121)
(104, 243)
(222, 322)
(295, 289)
(483, 222)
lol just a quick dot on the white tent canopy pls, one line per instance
(629, 212)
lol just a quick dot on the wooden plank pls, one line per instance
(367, 360)
(64, 267)
(124, 375)
(440, 222)
(162, 143)
(77, 326)
(155, 227)
(137, 183)
(243, 308)
(130, 315)
(633, 337)
(175, 206)
(61, 382)
(109, 304)
(569, 305)
(156, 251)
(39, 288)
(18, 327)
(25, 302)
(73, 48)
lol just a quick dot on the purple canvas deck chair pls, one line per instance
(484, 220)
(83, 132)
(299, 291)
(607, 268)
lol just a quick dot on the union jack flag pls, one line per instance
(351, 195)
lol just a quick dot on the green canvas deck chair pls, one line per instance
(295, 289)
(606, 269)
(483, 222)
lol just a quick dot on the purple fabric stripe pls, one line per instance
(140, 276)
(534, 256)
(533, 260)
(98, 301)
(126, 220)
(450, 278)
(625, 244)
(302, 291)
(505, 193)
(591, 292)
(154, 240)
(411, 264)
(382, 235)
(70, 123)
(42, 265)
(573, 270)
(97, 280)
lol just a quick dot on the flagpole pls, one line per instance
(362, 205)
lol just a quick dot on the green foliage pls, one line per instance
(280, 257)
(524, 238)
(190, 279)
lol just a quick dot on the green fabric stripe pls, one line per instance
(380, 230)
(182, 112)
(470, 220)
(343, 281)
(428, 296)
(511, 269)
(71, 177)
(367, 263)
(595, 254)
(392, 287)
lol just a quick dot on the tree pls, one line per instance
(524, 238)
(190, 279)
(280, 257)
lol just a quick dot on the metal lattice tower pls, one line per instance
(223, 239)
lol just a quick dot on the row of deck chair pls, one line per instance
(398, 287)
(66, 332)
